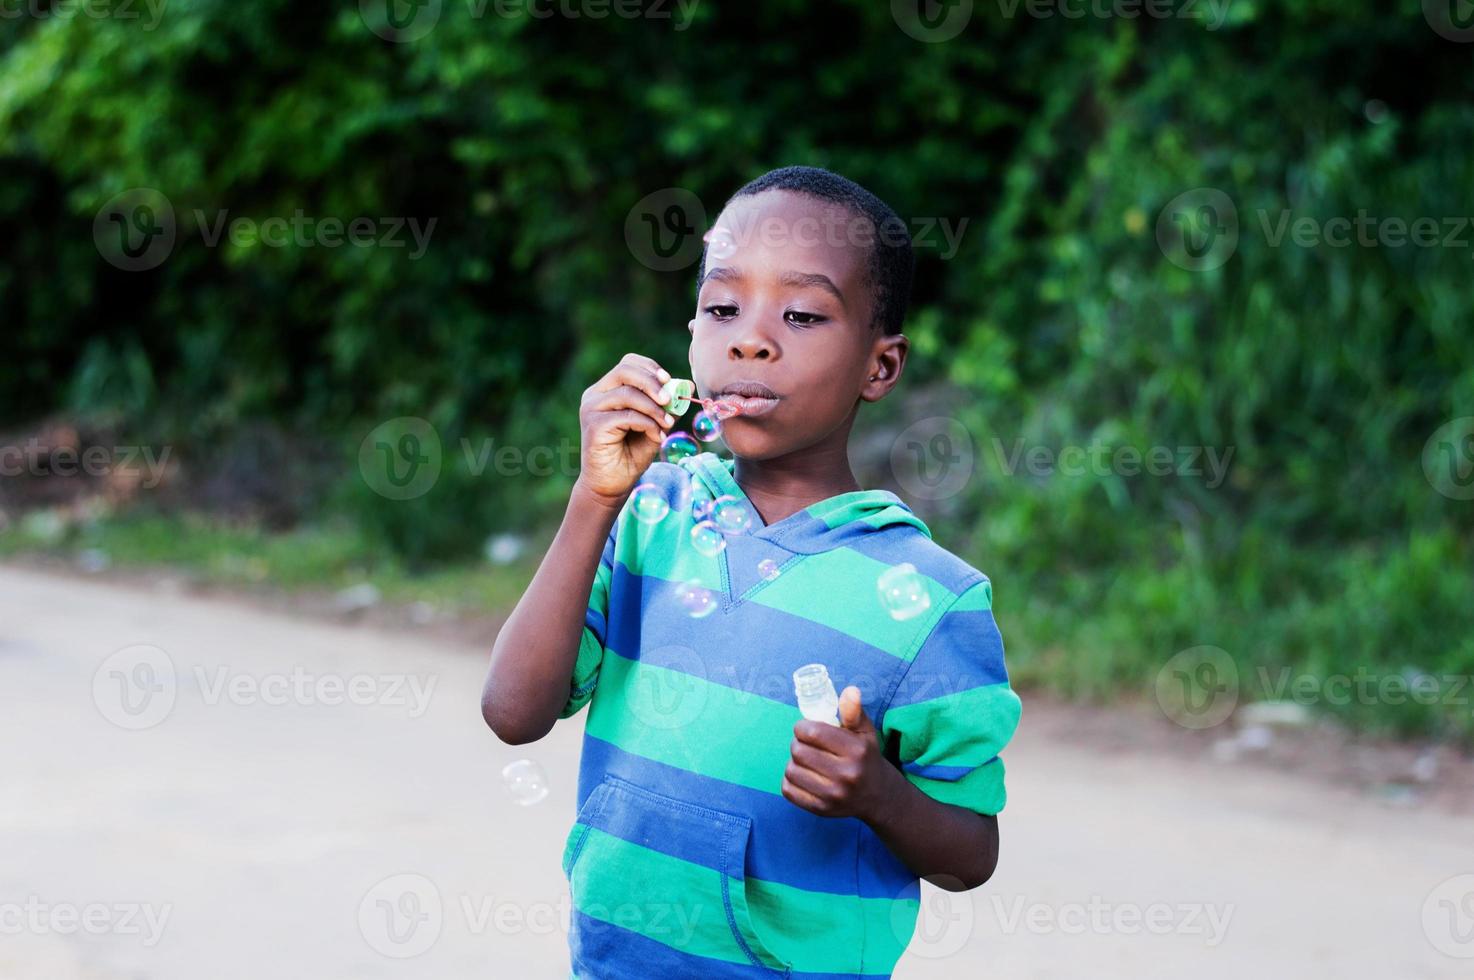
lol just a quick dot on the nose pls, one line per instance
(752, 343)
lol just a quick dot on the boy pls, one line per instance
(718, 833)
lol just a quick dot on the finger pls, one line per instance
(626, 420)
(812, 757)
(802, 797)
(852, 713)
(626, 396)
(644, 374)
(821, 735)
(649, 363)
(809, 781)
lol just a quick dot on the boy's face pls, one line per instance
(789, 307)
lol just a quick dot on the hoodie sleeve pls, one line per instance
(953, 711)
(595, 630)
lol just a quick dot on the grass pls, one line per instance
(323, 558)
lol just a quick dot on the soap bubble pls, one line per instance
(649, 504)
(721, 243)
(729, 514)
(526, 781)
(707, 539)
(903, 592)
(677, 446)
(706, 427)
(768, 569)
(724, 409)
(698, 601)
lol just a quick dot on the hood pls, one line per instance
(831, 523)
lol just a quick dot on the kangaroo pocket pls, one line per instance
(656, 881)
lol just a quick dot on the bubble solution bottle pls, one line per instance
(817, 700)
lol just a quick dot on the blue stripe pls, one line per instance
(757, 653)
(638, 957)
(789, 845)
(948, 774)
(963, 653)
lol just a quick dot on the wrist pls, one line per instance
(584, 497)
(892, 801)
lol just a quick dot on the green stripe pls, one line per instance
(679, 719)
(664, 898)
(793, 919)
(981, 790)
(664, 550)
(840, 589)
(966, 728)
(975, 599)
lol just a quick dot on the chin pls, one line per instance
(750, 444)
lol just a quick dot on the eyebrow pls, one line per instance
(800, 279)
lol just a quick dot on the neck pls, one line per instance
(785, 485)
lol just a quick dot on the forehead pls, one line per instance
(779, 232)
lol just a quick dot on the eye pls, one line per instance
(801, 319)
(720, 311)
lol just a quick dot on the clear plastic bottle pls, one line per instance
(817, 699)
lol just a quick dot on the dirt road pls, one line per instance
(196, 788)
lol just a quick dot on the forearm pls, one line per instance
(535, 651)
(954, 848)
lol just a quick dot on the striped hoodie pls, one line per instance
(684, 859)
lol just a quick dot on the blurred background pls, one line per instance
(298, 301)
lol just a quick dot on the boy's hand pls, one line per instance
(621, 425)
(839, 772)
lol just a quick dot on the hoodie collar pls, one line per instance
(822, 526)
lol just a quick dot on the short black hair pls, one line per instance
(892, 259)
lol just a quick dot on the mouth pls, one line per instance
(746, 398)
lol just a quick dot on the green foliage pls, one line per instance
(1060, 141)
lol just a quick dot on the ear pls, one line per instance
(887, 361)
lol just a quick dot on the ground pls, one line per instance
(247, 824)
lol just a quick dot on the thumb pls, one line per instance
(851, 715)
